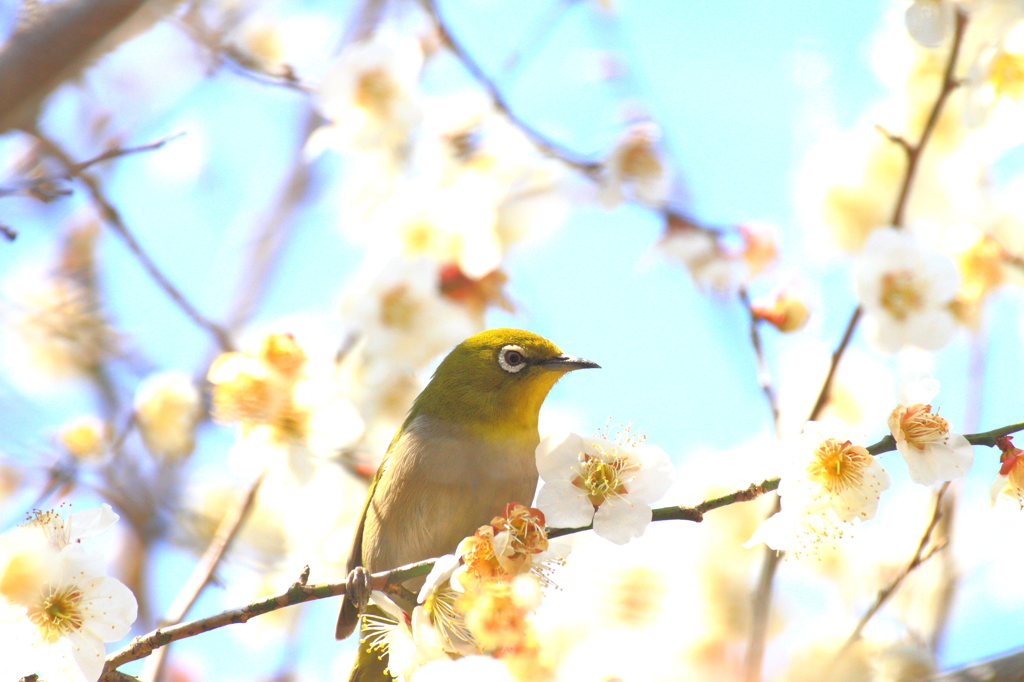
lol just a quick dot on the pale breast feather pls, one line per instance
(436, 473)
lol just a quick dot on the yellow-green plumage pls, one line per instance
(465, 450)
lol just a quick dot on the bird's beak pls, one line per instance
(567, 363)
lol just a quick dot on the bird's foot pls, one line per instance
(357, 587)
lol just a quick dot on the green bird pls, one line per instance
(465, 450)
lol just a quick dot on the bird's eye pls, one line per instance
(512, 358)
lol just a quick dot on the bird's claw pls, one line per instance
(357, 587)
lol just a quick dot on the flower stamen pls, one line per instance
(838, 466)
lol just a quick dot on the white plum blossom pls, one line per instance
(409, 642)
(437, 619)
(905, 290)
(596, 480)
(371, 95)
(435, 630)
(58, 607)
(168, 408)
(636, 164)
(930, 21)
(997, 75)
(76, 527)
(1009, 483)
(932, 453)
(827, 484)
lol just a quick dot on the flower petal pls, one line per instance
(622, 520)
(564, 505)
(656, 474)
(938, 462)
(557, 455)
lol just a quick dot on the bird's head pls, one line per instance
(495, 382)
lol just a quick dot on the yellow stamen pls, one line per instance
(838, 466)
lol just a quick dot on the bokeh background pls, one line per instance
(268, 218)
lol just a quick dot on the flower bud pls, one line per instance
(787, 313)
(167, 410)
(85, 438)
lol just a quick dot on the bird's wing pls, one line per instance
(348, 617)
(355, 557)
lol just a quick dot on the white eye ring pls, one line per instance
(516, 362)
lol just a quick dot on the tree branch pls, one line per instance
(764, 377)
(111, 216)
(588, 168)
(193, 587)
(52, 45)
(47, 189)
(949, 84)
(925, 550)
(391, 581)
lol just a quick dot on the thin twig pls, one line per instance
(267, 247)
(123, 151)
(539, 32)
(696, 514)
(925, 550)
(589, 168)
(764, 377)
(914, 152)
(825, 394)
(113, 218)
(761, 607)
(193, 587)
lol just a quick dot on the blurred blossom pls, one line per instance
(85, 438)
(904, 662)
(861, 393)
(635, 166)
(168, 408)
(287, 410)
(634, 596)
(923, 438)
(815, 660)
(477, 295)
(930, 21)
(595, 480)
(403, 317)
(403, 321)
(699, 250)
(497, 611)
(784, 311)
(827, 484)
(263, 42)
(760, 248)
(57, 605)
(905, 290)
(996, 76)
(59, 319)
(848, 184)
(371, 95)
(980, 261)
(468, 669)
(1009, 483)
(62, 329)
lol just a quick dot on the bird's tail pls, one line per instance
(348, 618)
